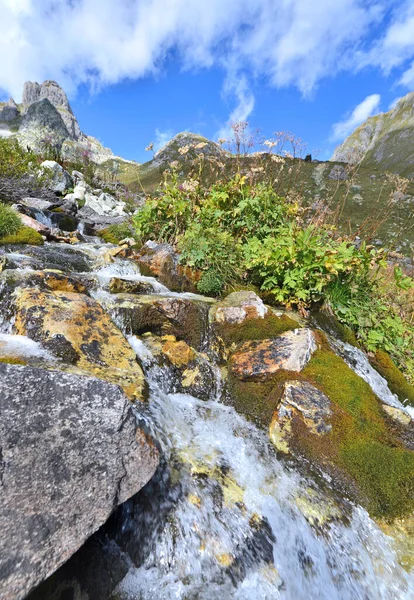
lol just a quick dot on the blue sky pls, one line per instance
(138, 71)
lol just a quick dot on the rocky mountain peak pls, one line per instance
(45, 113)
(33, 92)
(56, 95)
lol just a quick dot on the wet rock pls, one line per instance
(38, 203)
(60, 180)
(290, 351)
(76, 329)
(68, 459)
(189, 371)
(185, 318)
(51, 257)
(127, 286)
(33, 224)
(303, 401)
(238, 307)
(161, 260)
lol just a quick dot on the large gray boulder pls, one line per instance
(59, 180)
(70, 453)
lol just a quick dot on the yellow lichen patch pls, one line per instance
(397, 414)
(12, 360)
(195, 500)
(77, 329)
(316, 509)
(225, 559)
(190, 377)
(60, 283)
(179, 353)
(402, 532)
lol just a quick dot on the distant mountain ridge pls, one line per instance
(385, 141)
(45, 114)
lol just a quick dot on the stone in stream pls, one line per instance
(161, 260)
(127, 286)
(190, 372)
(185, 318)
(75, 328)
(238, 307)
(300, 400)
(71, 452)
(290, 351)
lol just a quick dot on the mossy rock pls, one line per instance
(268, 327)
(25, 235)
(362, 448)
(397, 383)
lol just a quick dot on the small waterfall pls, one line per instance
(241, 525)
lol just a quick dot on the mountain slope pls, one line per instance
(385, 141)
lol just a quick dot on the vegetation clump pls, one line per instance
(25, 235)
(117, 232)
(240, 231)
(10, 222)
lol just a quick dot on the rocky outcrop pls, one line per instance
(75, 328)
(187, 146)
(46, 116)
(384, 140)
(290, 351)
(9, 111)
(70, 454)
(42, 123)
(33, 92)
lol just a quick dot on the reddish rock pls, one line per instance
(290, 351)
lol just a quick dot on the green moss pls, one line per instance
(398, 384)
(117, 232)
(361, 446)
(25, 235)
(256, 329)
(258, 400)
(330, 324)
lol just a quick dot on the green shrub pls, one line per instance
(235, 233)
(14, 160)
(25, 235)
(10, 221)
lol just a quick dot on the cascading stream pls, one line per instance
(233, 521)
(245, 526)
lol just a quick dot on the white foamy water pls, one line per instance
(358, 361)
(20, 346)
(211, 546)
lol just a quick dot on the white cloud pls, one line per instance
(289, 41)
(162, 138)
(285, 42)
(367, 108)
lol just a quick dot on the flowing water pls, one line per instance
(225, 518)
